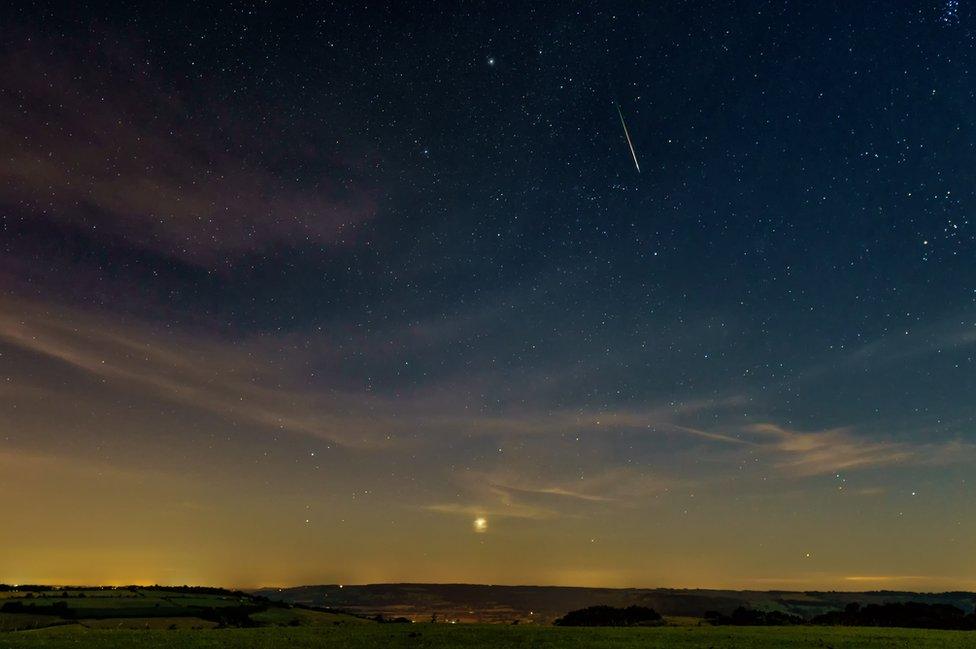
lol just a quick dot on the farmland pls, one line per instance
(152, 617)
(356, 636)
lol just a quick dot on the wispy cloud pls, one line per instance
(509, 492)
(122, 152)
(264, 381)
(261, 382)
(809, 453)
(717, 437)
(898, 347)
(621, 485)
(826, 451)
(913, 342)
(216, 377)
(493, 509)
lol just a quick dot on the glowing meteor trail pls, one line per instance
(627, 134)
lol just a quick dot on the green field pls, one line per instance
(155, 617)
(353, 636)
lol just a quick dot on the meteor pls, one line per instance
(627, 135)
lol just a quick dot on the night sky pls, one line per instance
(378, 293)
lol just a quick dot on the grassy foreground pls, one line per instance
(493, 636)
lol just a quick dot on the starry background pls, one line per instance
(298, 295)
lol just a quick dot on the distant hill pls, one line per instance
(543, 604)
(152, 607)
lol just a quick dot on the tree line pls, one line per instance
(916, 615)
(911, 615)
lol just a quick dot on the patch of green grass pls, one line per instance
(144, 603)
(683, 620)
(432, 636)
(297, 616)
(95, 602)
(148, 623)
(206, 601)
(22, 621)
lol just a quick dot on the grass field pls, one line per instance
(355, 636)
(160, 618)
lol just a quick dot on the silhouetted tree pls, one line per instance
(610, 616)
(900, 614)
(750, 617)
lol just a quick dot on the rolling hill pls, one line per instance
(543, 604)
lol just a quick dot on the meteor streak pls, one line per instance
(627, 135)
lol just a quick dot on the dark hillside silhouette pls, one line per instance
(901, 614)
(544, 604)
(750, 617)
(610, 616)
(912, 615)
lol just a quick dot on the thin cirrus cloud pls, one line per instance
(237, 384)
(510, 493)
(619, 484)
(795, 454)
(810, 453)
(108, 148)
(494, 509)
(260, 382)
(264, 381)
